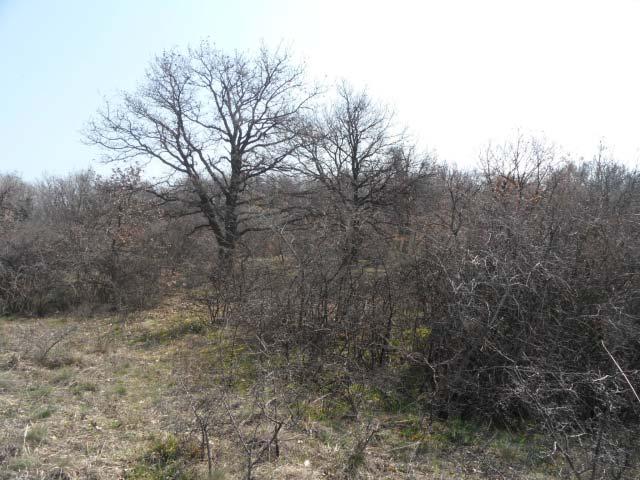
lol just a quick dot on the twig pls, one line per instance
(25, 446)
(621, 371)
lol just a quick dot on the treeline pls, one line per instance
(510, 292)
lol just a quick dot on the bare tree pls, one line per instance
(519, 168)
(354, 151)
(15, 199)
(216, 120)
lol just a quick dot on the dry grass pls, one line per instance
(95, 405)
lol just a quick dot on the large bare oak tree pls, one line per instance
(216, 122)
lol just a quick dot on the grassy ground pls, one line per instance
(97, 398)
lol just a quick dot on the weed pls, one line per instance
(59, 361)
(44, 346)
(6, 384)
(105, 343)
(115, 424)
(10, 362)
(178, 329)
(167, 457)
(357, 455)
(122, 368)
(120, 390)
(57, 474)
(328, 409)
(458, 433)
(412, 430)
(324, 435)
(7, 452)
(36, 435)
(43, 412)
(80, 388)
(217, 474)
(508, 451)
(354, 462)
(63, 376)
(20, 464)
(38, 392)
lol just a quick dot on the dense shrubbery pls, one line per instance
(84, 240)
(516, 311)
(497, 300)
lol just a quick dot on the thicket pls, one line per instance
(85, 241)
(355, 266)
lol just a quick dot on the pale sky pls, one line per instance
(459, 73)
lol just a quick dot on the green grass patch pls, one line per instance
(166, 458)
(232, 359)
(43, 412)
(36, 435)
(8, 362)
(58, 361)
(120, 390)
(327, 410)
(82, 387)
(63, 376)
(411, 429)
(177, 329)
(459, 432)
(6, 384)
(38, 392)
(115, 424)
(22, 463)
(520, 447)
(122, 368)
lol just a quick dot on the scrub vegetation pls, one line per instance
(304, 294)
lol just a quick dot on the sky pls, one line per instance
(458, 73)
